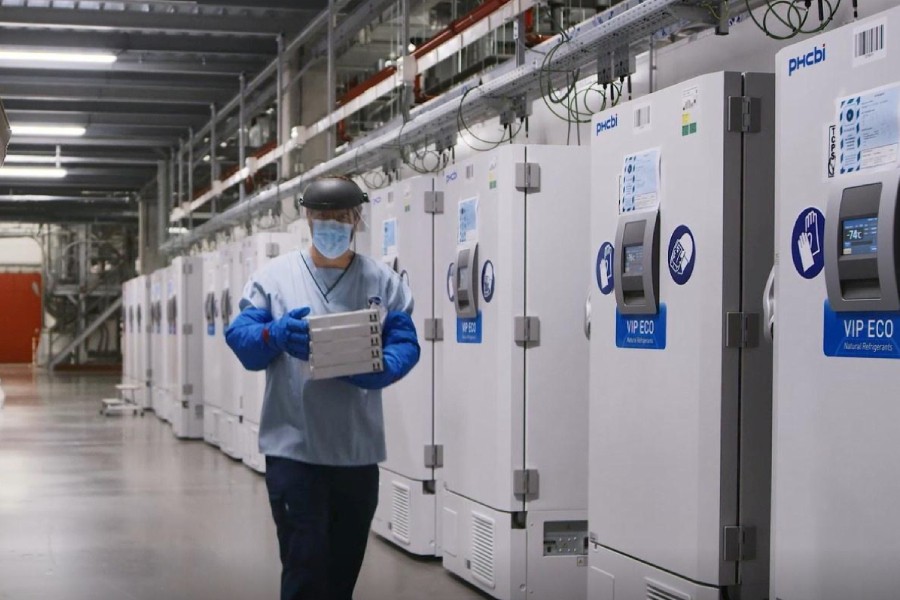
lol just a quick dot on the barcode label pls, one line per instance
(642, 117)
(869, 43)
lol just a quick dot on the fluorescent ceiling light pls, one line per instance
(32, 172)
(177, 230)
(95, 58)
(48, 130)
(30, 159)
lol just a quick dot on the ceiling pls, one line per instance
(173, 60)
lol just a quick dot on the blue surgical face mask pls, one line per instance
(331, 238)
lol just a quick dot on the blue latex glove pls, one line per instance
(401, 353)
(290, 333)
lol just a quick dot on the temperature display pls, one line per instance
(860, 236)
(634, 259)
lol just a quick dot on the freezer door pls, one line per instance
(483, 367)
(835, 484)
(403, 237)
(664, 418)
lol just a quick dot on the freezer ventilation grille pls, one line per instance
(656, 591)
(400, 512)
(483, 549)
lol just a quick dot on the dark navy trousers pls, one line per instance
(322, 515)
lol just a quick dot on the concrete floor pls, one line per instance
(95, 508)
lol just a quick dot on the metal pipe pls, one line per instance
(190, 176)
(213, 163)
(180, 197)
(406, 95)
(279, 102)
(242, 126)
(331, 79)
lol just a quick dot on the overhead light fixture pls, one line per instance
(224, 144)
(32, 172)
(206, 158)
(177, 230)
(48, 130)
(93, 58)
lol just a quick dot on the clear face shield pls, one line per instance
(333, 231)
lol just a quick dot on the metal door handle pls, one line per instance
(587, 315)
(769, 307)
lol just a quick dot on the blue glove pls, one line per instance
(401, 353)
(290, 333)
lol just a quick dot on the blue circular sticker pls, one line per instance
(806, 242)
(682, 254)
(451, 285)
(604, 269)
(487, 281)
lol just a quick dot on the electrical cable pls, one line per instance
(793, 15)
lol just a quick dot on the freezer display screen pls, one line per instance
(860, 236)
(634, 259)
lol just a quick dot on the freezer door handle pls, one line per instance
(587, 315)
(769, 307)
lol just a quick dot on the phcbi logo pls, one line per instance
(611, 123)
(810, 59)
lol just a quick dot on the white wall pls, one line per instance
(19, 253)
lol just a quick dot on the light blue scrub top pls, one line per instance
(324, 422)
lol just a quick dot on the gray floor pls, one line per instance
(115, 508)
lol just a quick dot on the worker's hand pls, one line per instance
(290, 333)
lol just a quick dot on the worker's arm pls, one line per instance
(257, 338)
(401, 353)
(248, 337)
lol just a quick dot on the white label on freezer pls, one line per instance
(690, 109)
(869, 130)
(869, 42)
(468, 220)
(641, 118)
(389, 241)
(640, 182)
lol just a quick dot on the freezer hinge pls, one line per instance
(741, 330)
(528, 177)
(434, 203)
(187, 269)
(744, 114)
(187, 329)
(434, 456)
(526, 483)
(187, 389)
(272, 250)
(738, 543)
(592, 538)
(434, 330)
(149, 374)
(527, 330)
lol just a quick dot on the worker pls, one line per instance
(322, 438)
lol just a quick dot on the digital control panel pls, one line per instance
(637, 265)
(861, 250)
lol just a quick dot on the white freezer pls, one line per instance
(836, 449)
(513, 408)
(680, 416)
(403, 221)
(227, 421)
(213, 348)
(185, 360)
(141, 360)
(255, 251)
(158, 337)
